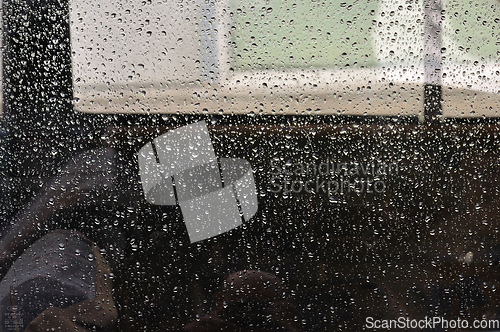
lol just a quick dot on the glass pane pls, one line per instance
(180, 166)
(234, 57)
(127, 55)
(471, 59)
(287, 34)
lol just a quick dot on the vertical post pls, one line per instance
(432, 61)
(209, 49)
(36, 66)
(37, 94)
(5, 203)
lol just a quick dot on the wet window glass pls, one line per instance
(233, 166)
(470, 59)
